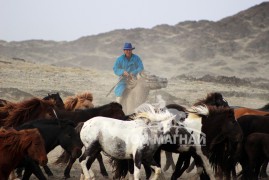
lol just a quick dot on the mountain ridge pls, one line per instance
(230, 46)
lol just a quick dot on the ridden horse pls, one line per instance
(55, 132)
(14, 145)
(79, 101)
(137, 90)
(213, 99)
(15, 114)
(113, 110)
(257, 150)
(125, 139)
(56, 98)
(251, 124)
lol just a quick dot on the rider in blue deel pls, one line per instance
(126, 66)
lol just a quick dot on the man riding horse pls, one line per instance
(128, 65)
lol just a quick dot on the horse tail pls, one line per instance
(63, 158)
(120, 167)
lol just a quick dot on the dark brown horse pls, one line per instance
(213, 99)
(15, 114)
(252, 124)
(257, 150)
(14, 145)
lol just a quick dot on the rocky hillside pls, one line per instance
(237, 45)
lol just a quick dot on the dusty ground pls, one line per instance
(22, 80)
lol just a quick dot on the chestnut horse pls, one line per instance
(14, 145)
(80, 101)
(14, 114)
(242, 111)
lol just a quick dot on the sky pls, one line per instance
(67, 20)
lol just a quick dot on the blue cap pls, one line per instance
(128, 46)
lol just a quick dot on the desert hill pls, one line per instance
(230, 56)
(237, 45)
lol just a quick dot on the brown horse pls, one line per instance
(242, 111)
(80, 101)
(14, 145)
(15, 114)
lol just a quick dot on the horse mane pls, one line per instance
(56, 98)
(207, 110)
(209, 98)
(71, 101)
(21, 112)
(16, 141)
(149, 113)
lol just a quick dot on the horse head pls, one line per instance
(137, 90)
(56, 98)
(152, 81)
(213, 99)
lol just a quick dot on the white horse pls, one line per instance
(126, 139)
(137, 90)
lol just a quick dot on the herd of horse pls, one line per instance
(216, 136)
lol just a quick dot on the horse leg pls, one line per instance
(68, 167)
(185, 158)
(19, 172)
(47, 170)
(32, 168)
(191, 167)
(137, 164)
(87, 159)
(101, 164)
(131, 169)
(263, 173)
(206, 163)
(169, 161)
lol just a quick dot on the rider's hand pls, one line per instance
(125, 73)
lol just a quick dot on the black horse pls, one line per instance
(113, 110)
(56, 98)
(54, 132)
(213, 99)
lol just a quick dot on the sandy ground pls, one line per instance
(21, 80)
